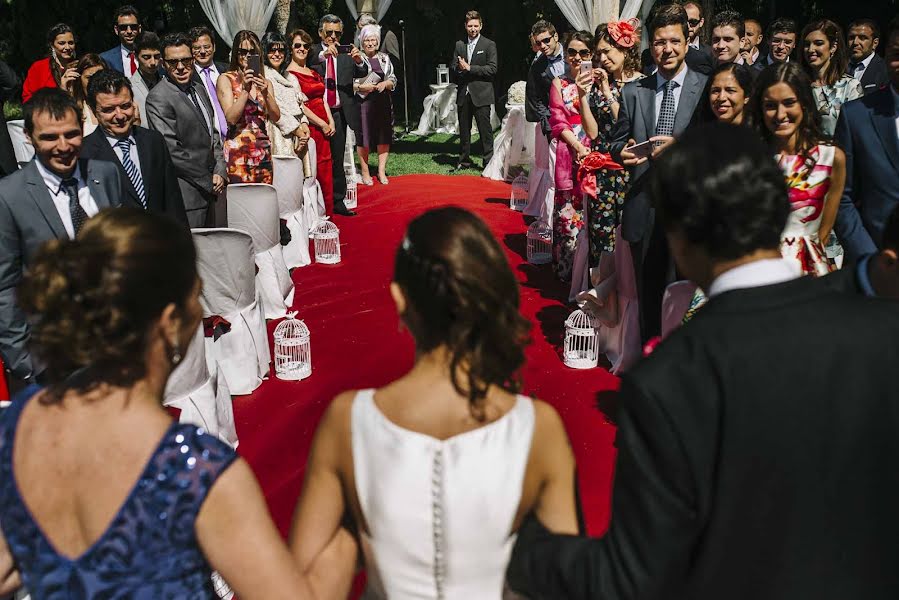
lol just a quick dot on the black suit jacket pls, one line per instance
(536, 94)
(876, 75)
(157, 171)
(347, 70)
(757, 455)
(478, 80)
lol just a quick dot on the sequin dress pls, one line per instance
(248, 150)
(149, 551)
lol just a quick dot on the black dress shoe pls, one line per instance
(344, 212)
(464, 165)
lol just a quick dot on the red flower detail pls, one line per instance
(624, 32)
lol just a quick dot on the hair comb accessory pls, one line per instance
(624, 32)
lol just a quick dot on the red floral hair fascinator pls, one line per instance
(624, 32)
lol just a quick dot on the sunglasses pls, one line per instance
(333, 33)
(128, 27)
(694, 22)
(174, 62)
(582, 53)
(544, 41)
(276, 50)
(245, 51)
(299, 45)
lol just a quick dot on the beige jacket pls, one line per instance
(290, 101)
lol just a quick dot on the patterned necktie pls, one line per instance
(665, 126)
(79, 217)
(133, 63)
(132, 171)
(331, 81)
(213, 96)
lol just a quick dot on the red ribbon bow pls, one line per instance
(586, 173)
(215, 326)
(624, 32)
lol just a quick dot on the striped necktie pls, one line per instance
(132, 171)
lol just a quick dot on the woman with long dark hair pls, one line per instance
(783, 110)
(58, 68)
(290, 134)
(87, 66)
(727, 94)
(437, 469)
(825, 60)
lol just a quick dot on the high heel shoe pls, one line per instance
(382, 179)
(367, 181)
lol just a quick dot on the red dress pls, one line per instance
(39, 76)
(313, 87)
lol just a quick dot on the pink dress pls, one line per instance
(808, 179)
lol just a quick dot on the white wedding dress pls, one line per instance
(440, 513)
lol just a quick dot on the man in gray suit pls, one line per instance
(657, 109)
(50, 198)
(179, 109)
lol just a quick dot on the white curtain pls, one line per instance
(230, 16)
(578, 12)
(382, 6)
(587, 14)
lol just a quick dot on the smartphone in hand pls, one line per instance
(641, 150)
(344, 48)
(586, 67)
(254, 63)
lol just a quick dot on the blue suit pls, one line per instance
(866, 131)
(113, 58)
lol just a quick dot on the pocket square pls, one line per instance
(479, 52)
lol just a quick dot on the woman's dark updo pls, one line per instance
(92, 301)
(462, 295)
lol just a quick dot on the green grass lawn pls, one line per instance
(435, 154)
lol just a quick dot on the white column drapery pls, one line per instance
(230, 16)
(377, 7)
(587, 14)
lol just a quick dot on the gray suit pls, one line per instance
(637, 120)
(28, 218)
(196, 154)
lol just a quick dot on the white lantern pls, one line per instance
(442, 75)
(581, 347)
(327, 243)
(350, 201)
(293, 354)
(540, 243)
(519, 198)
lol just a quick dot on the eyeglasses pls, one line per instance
(333, 33)
(582, 53)
(299, 45)
(245, 51)
(173, 63)
(276, 50)
(694, 22)
(128, 27)
(544, 41)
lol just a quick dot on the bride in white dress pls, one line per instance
(437, 470)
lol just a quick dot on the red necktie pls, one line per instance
(331, 82)
(133, 63)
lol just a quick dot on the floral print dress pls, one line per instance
(831, 98)
(247, 149)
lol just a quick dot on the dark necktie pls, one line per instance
(79, 217)
(853, 67)
(192, 94)
(665, 126)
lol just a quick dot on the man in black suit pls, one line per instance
(757, 444)
(207, 71)
(548, 65)
(862, 39)
(473, 68)
(696, 22)
(49, 198)
(145, 166)
(867, 133)
(657, 108)
(339, 69)
(874, 275)
(782, 35)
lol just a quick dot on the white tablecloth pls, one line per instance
(440, 114)
(513, 146)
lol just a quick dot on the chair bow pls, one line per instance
(215, 327)
(586, 173)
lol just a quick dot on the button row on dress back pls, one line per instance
(437, 513)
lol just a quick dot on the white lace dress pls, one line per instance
(440, 513)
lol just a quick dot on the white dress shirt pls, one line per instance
(859, 71)
(768, 271)
(471, 46)
(61, 198)
(660, 89)
(132, 151)
(557, 63)
(126, 61)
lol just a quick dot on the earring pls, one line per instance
(176, 353)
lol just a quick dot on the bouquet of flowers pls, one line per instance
(516, 93)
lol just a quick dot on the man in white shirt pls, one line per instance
(123, 57)
(782, 35)
(49, 198)
(208, 71)
(862, 39)
(728, 31)
(751, 41)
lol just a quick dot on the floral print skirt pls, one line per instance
(604, 212)
(568, 220)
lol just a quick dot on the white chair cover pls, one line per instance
(349, 157)
(253, 207)
(440, 114)
(201, 392)
(675, 304)
(226, 263)
(541, 180)
(513, 146)
(580, 268)
(313, 198)
(288, 181)
(20, 142)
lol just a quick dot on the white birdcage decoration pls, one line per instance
(351, 200)
(519, 198)
(327, 243)
(442, 74)
(540, 243)
(581, 347)
(293, 354)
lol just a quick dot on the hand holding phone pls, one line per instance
(586, 67)
(254, 63)
(641, 150)
(344, 48)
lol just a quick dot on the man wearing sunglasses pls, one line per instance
(548, 65)
(123, 57)
(339, 65)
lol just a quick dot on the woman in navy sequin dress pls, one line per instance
(101, 495)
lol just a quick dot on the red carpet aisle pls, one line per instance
(356, 342)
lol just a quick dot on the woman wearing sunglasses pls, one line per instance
(249, 103)
(321, 123)
(290, 134)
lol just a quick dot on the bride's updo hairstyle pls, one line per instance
(461, 294)
(92, 301)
